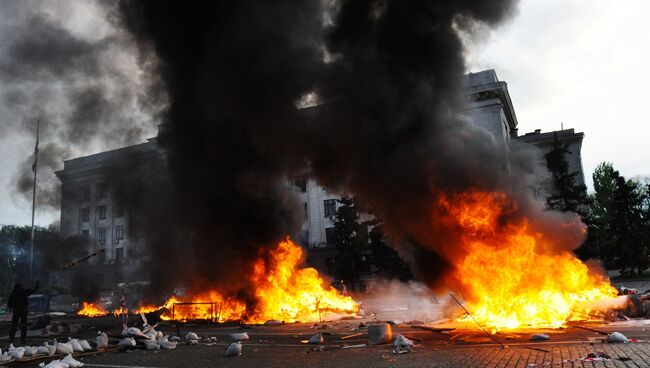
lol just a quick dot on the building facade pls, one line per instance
(89, 208)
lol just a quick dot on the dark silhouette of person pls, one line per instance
(18, 303)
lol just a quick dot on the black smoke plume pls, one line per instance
(387, 75)
(80, 80)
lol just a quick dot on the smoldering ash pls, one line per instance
(386, 77)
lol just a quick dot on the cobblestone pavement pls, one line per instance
(281, 346)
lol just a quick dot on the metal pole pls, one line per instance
(35, 169)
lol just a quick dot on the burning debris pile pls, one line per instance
(511, 273)
(283, 290)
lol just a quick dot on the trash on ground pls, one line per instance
(316, 339)
(380, 334)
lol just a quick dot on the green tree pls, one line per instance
(619, 219)
(389, 264)
(350, 245)
(566, 194)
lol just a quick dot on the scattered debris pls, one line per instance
(616, 337)
(380, 334)
(351, 336)
(539, 337)
(316, 339)
(234, 349)
(402, 345)
(273, 322)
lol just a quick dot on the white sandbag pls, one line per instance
(134, 331)
(30, 351)
(234, 349)
(127, 341)
(71, 362)
(240, 336)
(5, 357)
(102, 340)
(85, 345)
(401, 341)
(42, 350)
(380, 334)
(151, 344)
(54, 364)
(616, 337)
(316, 339)
(16, 353)
(64, 348)
(76, 346)
(166, 344)
(192, 336)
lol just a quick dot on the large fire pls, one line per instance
(283, 291)
(91, 310)
(510, 274)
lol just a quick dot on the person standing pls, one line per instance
(18, 302)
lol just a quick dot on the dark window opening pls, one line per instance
(101, 236)
(101, 212)
(330, 236)
(301, 182)
(330, 207)
(119, 255)
(119, 232)
(85, 214)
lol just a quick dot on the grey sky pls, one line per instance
(580, 62)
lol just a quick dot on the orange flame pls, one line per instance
(510, 276)
(284, 291)
(91, 310)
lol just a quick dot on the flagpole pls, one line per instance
(34, 168)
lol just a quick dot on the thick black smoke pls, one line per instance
(388, 76)
(79, 79)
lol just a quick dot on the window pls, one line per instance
(101, 212)
(119, 232)
(301, 182)
(101, 235)
(119, 255)
(101, 190)
(306, 211)
(84, 214)
(85, 193)
(330, 207)
(85, 234)
(330, 236)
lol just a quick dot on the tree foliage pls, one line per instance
(567, 194)
(350, 245)
(620, 219)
